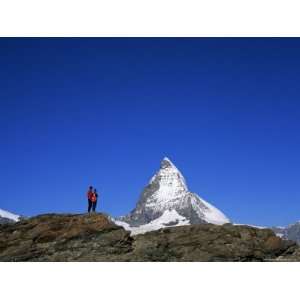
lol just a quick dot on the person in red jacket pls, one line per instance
(94, 200)
(90, 196)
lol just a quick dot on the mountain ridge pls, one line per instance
(290, 232)
(83, 237)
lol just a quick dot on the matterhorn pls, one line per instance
(166, 201)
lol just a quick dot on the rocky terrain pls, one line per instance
(6, 221)
(95, 237)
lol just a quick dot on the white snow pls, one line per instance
(208, 212)
(8, 215)
(166, 218)
(125, 225)
(254, 226)
(172, 186)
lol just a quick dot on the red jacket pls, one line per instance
(90, 195)
(94, 197)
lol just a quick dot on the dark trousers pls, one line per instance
(92, 205)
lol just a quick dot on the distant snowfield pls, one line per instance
(8, 215)
(255, 226)
(168, 217)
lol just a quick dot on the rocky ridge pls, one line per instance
(96, 238)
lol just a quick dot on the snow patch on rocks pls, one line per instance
(167, 219)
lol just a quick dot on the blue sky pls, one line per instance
(76, 112)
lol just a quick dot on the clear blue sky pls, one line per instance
(76, 112)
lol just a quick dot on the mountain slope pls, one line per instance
(167, 193)
(291, 232)
(8, 217)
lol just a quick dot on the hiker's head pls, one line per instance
(91, 187)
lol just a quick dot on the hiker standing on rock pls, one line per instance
(90, 196)
(94, 200)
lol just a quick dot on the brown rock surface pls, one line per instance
(56, 237)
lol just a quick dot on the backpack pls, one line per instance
(93, 197)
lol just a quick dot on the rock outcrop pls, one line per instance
(63, 238)
(96, 238)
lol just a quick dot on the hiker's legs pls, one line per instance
(90, 205)
(94, 206)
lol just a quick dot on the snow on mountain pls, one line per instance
(8, 216)
(168, 218)
(250, 225)
(211, 214)
(168, 197)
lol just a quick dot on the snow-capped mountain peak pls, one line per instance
(167, 186)
(166, 163)
(167, 191)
